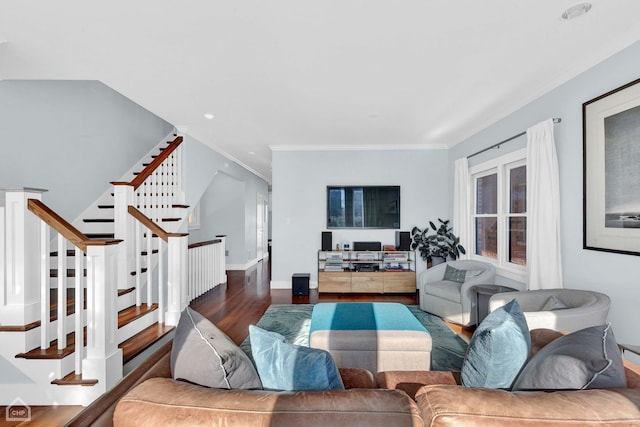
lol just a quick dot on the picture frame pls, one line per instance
(611, 171)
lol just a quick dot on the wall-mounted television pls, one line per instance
(363, 206)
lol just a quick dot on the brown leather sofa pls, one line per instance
(149, 396)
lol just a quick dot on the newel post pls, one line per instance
(21, 285)
(104, 359)
(123, 196)
(176, 277)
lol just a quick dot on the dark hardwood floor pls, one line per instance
(232, 306)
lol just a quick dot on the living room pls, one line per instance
(426, 180)
(301, 175)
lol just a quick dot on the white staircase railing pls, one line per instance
(156, 192)
(176, 269)
(206, 266)
(102, 353)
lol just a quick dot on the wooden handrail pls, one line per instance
(155, 163)
(200, 244)
(67, 230)
(155, 228)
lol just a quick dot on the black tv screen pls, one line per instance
(363, 206)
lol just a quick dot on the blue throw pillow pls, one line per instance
(284, 366)
(498, 349)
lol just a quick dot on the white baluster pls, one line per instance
(161, 307)
(136, 250)
(62, 292)
(149, 267)
(45, 286)
(79, 323)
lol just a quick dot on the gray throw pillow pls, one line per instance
(454, 275)
(553, 303)
(498, 349)
(202, 354)
(588, 358)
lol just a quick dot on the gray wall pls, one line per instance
(613, 274)
(299, 199)
(72, 138)
(228, 195)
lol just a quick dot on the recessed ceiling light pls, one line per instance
(576, 11)
(209, 116)
(252, 152)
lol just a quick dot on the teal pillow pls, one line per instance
(588, 358)
(454, 275)
(498, 349)
(284, 366)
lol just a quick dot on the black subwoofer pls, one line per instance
(300, 283)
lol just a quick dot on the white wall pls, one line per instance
(228, 195)
(299, 199)
(613, 274)
(72, 138)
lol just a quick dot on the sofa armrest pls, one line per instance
(411, 381)
(446, 405)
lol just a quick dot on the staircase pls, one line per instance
(59, 349)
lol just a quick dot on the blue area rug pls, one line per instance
(293, 321)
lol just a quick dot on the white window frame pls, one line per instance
(500, 166)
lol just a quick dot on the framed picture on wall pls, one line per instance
(611, 168)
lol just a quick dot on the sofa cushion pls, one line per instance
(202, 354)
(284, 366)
(454, 275)
(498, 349)
(588, 358)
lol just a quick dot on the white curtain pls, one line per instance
(462, 205)
(543, 208)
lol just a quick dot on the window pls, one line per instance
(500, 213)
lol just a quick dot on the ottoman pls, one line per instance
(374, 336)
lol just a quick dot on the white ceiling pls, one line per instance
(296, 74)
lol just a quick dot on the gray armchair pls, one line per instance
(578, 308)
(453, 301)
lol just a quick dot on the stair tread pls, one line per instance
(97, 220)
(71, 272)
(125, 317)
(73, 379)
(100, 235)
(134, 312)
(143, 340)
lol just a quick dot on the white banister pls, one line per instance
(79, 312)
(177, 278)
(206, 267)
(62, 292)
(45, 279)
(123, 230)
(22, 259)
(103, 360)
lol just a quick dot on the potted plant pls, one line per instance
(442, 244)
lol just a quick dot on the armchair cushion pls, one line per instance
(454, 275)
(588, 358)
(498, 349)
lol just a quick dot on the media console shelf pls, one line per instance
(366, 271)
